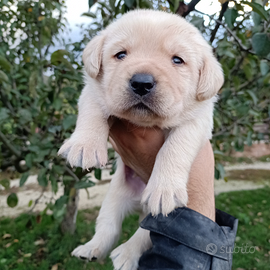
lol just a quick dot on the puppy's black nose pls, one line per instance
(142, 84)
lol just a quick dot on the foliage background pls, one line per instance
(39, 85)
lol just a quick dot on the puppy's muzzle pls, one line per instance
(142, 84)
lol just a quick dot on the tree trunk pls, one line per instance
(68, 224)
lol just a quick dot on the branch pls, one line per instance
(52, 33)
(72, 174)
(238, 41)
(6, 102)
(237, 66)
(36, 201)
(183, 9)
(9, 145)
(214, 32)
(227, 128)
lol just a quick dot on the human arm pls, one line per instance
(138, 147)
(188, 238)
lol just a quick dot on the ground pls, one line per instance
(35, 242)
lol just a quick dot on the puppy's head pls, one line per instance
(151, 66)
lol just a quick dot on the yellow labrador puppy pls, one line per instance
(153, 69)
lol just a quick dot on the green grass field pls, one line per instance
(35, 242)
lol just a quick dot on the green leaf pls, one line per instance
(235, 130)
(42, 178)
(129, 3)
(261, 44)
(248, 71)
(33, 83)
(24, 178)
(197, 21)
(25, 116)
(58, 56)
(253, 96)
(4, 114)
(80, 185)
(29, 160)
(111, 153)
(91, 3)
(12, 200)
(256, 18)
(57, 104)
(242, 109)
(229, 53)
(61, 202)
(3, 77)
(34, 148)
(175, 5)
(219, 171)
(58, 169)
(230, 16)
(239, 144)
(30, 203)
(219, 153)
(258, 9)
(264, 67)
(249, 138)
(54, 183)
(98, 174)
(254, 113)
(112, 4)
(69, 121)
(4, 64)
(5, 183)
(114, 167)
(89, 14)
(59, 214)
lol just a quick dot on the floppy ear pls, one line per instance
(92, 56)
(211, 78)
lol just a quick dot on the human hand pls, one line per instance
(138, 147)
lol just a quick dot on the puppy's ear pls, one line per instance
(92, 55)
(211, 78)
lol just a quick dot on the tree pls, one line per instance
(240, 36)
(38, 111)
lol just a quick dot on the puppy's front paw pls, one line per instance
(89, 251)
(125, 257)
(163, 198)
(84, 152)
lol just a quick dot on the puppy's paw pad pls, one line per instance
(87, 252)
(84, 153)
(163, 200)
(125, 258)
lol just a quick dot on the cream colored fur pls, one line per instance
(181, 105)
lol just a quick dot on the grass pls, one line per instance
(227, 159)
(35, 242)
(252, 210)
(249, 175)
(264, 158)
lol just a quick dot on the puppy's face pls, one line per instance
(152, 66)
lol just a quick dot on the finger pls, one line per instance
(113, 144)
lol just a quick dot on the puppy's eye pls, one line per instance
(121, 55)
(177, 60)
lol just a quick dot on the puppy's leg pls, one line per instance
(119, 201)
(166, 189)
(127, 255)
(87, 146)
